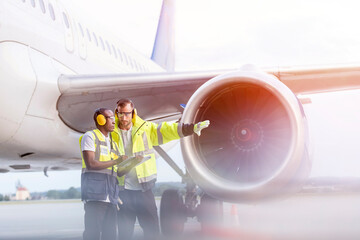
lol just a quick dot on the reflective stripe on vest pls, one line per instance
(147, 170)
(159, 135)
(102, 153)
(147, 179)
(143, 141)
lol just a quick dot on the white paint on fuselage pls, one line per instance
(38, 43)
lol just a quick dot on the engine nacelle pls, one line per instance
(256, 144)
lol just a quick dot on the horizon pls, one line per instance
(320, 181)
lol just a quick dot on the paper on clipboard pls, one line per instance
(126, 163)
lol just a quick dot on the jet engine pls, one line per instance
(256, 146)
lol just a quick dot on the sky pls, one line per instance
(226, 34)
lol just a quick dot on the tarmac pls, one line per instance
(307, 216)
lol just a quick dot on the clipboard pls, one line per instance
(126, 163)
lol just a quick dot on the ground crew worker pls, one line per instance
(137, 137)
(99, 184)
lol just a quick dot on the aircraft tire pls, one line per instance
(172, 213)
(210, 212)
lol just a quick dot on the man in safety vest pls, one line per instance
(137, 137)
(99, 184)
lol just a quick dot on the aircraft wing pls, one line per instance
(158, 95)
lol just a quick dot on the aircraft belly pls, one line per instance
(44, 138)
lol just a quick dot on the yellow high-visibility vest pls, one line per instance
(102, 153)
(145, 135)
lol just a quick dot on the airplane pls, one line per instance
(55, 70)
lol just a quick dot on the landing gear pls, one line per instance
(172, 213)
(209, 212)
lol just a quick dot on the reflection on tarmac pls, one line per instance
(327, 216)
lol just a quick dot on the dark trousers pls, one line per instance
(100, 221)
(140, 205)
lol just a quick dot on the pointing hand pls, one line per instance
(200, 126)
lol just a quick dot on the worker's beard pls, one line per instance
(125, 125)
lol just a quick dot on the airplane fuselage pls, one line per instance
(39, 42)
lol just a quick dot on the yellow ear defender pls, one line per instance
(134, 112)
(101, 120)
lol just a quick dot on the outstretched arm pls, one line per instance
(200, 126)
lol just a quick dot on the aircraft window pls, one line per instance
(108, 47)
(136, 65)
(88, 34)
(81, 30)
(95, 38)
(42, 6)
(126, 59)
(120, 55)
(66, 21)
(102, 43)
(114, 50)
(52, 13)
(33, 3)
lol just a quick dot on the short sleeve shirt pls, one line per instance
(88, 144)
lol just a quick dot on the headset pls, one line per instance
(99, 118)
